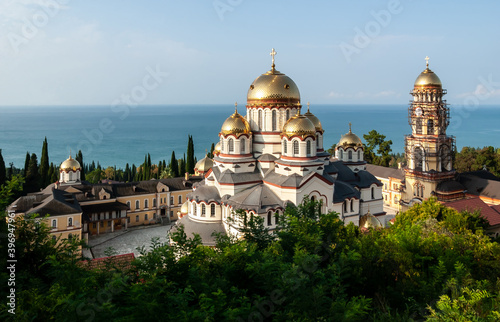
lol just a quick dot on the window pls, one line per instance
(212, 210)
(269, 218)
(308, 148)
(287, 114)
(203, 210)
(284, 146)
(137, 218)
(276, 217)
(222, 146)
(94, 225)
(430, 127)
(146, 217)
(154, 202)
(341, 154)
(146, 203)
(274, 120)
(349, 155)
(54, 223)
(70, 221)
(231, 145)
(242, 146)
(128, 204)
(385, 186)
(359, 155)
(317, 141)
(373, 192)
(180, 199)
(295, 148)
(418, 126)
(171, 200)
(422, 191)
(109, 223)
(137, 205)
(385, 197)
(418, 158)
(195, 209)
(352, 205)
(345, 206)
(259, 120)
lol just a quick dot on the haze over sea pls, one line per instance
(159, 130)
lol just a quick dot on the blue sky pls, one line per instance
(64, 52)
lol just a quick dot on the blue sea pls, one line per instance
(114, 138)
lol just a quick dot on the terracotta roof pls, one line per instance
(122, 262)
(472, 204)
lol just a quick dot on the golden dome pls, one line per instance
(427, 77)
(70, 165)
(184, 208)
(350, 139)
(204, 164)
(313, 119)
(299, 125)
(273, 85)
(236, 125)
(217, 148)
(369, 220)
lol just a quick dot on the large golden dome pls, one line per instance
(273, 85)
(299, 125)
(427, 77)
(204, 164)
(70, 165)
(236, 125)
(350, 139)
(313, 119)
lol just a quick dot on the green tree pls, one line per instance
(32, 175)
(96, 175)
(79, 158)
(190, 156)
(377, 149)
(174, 165)
(26, 164)
(44, 165)
(3, 171)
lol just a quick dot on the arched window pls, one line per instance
(128, 204)
(146, 217)
(430, 127)
(422, 191)
(341, 154)
(274, 120)
(285, 147)
(231, 145)
(203, 210)
(269, 218)
(70, 221)
(171, 200)
(418, 126)
(308, 148)
(313, 198)
(212, 210)
(349, 155)
(345, 206)
(137, 204)
(259, 120)
(287, 115)
(146, 203)
(54, 223)
(154, 202)
(222, 149)
(352, 205)
(295, 148)
(373, 192)
(195, 209)
(359, 155)
(242, 147)
(180, 199)
(276, 217)
(418, 158)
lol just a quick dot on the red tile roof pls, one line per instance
(472, 204)
(122, 262)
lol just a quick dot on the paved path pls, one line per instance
(126, 241)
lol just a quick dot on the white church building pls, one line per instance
(274, 156)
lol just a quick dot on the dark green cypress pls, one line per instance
(212, 148)
(190, 155)
(174, 165)
(26, 164)
(133, 172)
(79, 158)
(44, 165)
(33, 176)
(3, 171)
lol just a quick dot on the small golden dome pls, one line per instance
(369, 221)
(217, 148)
(299, 125)
(350, 139)
(184, 208)
(204, 164)
(70, 165)
(427, 77)
(236, 125)
(313, 119)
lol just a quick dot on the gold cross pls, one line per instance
(427, 61)
(308, 106)
(273, 53)
(236, 107)
(349, 126)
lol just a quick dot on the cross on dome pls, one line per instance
(308, 104)
(235, 107)
(427, 61)
(350, 127)
(273, 53)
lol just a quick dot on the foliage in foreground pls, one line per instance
(433, 263)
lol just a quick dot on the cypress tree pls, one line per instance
(126, 175)
(3, 171)
(26, 164)
(32, 176)
(79, 158)
(174, 165)
(212, 148)
(190, 155)
(44, 165)
(133, 173)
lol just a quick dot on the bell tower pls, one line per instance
(428, 150)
